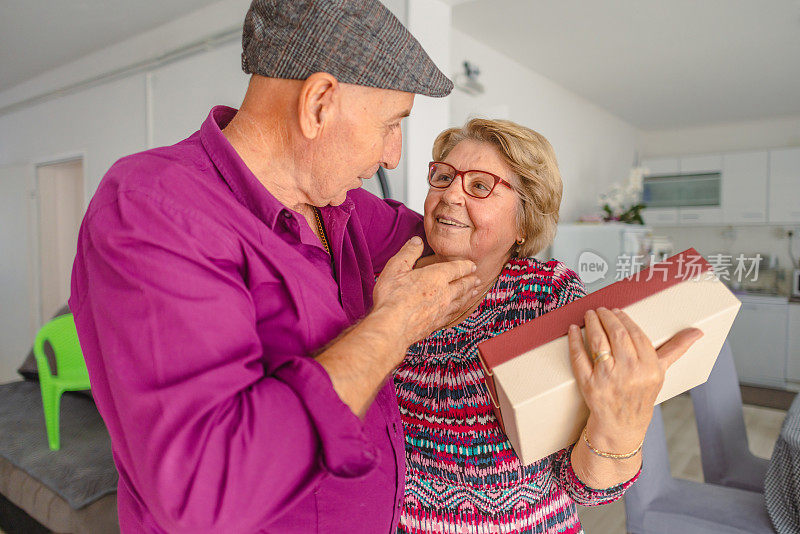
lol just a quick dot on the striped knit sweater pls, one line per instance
(462, 476)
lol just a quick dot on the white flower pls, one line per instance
(621, 197)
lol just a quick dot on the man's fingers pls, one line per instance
(462, 292)
(466, 287)
(676, 346)
(405, 258)
(452, 270)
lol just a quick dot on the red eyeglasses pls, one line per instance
(477, 184)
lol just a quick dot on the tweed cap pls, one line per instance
(357, 41)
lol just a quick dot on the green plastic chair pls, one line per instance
(71, 373)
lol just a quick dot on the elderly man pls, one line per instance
(224, 289)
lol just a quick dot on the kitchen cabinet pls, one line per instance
(699, 215)
(676, 216)
(793, 348)
(758, 339)
(659, 166)
(660, 216)
(784, 185)
(701, 164)
(684, 191)
(744, 187)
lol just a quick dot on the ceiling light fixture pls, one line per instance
(467, 80)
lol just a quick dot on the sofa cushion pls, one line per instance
(82, 471)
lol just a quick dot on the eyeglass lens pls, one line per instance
(477, 184)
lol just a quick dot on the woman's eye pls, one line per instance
(482, 186)
(444, 178)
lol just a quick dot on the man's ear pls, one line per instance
(318, 99)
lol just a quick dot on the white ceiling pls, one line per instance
(38, 35)
(655, 63)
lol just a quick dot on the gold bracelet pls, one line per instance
(611, 455)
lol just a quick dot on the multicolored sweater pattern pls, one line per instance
(462, 476)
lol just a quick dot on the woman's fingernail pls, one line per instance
(573, 328)
(617, 311)
(474, 267)
(416, 240)
(477, 281)
(601, 308)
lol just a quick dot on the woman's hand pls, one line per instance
(620, 376)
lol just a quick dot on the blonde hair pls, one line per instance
(533, 160)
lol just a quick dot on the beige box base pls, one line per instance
(542, 408)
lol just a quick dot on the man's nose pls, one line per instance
(392, 150)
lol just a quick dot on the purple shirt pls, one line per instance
(199, 300)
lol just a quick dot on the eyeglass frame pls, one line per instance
(497, 179)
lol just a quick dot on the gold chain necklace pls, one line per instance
(476, 301)
(321, 230)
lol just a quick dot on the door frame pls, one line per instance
(35, 237)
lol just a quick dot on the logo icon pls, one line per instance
(591, 267)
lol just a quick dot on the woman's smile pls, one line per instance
(450, 222)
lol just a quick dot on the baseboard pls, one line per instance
(780, 399)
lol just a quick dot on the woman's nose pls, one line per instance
(454, 194)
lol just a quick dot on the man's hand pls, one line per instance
(408, 304)
(425, 299)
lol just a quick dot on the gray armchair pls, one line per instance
(660, 504)
(724, 450)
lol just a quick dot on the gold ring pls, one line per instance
(601, 356)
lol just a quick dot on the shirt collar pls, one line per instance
(241, 180)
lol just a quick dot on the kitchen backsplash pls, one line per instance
(735, 240)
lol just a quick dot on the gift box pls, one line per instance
(527, 369)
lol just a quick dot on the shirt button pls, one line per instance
(394, 427)
(287, 214)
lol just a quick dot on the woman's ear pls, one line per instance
(316, 105)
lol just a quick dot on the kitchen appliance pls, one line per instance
(603, 253)
(661, 247)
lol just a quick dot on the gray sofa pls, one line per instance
(72, 490)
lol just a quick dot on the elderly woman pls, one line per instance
(494, 195)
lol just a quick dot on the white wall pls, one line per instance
(100, 124)
(727, 137)
(594, 148)
(15, 284)
(184, 92)
(430, 22)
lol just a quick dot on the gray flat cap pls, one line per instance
(356, 41)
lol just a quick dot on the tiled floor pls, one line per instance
(763, 426)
